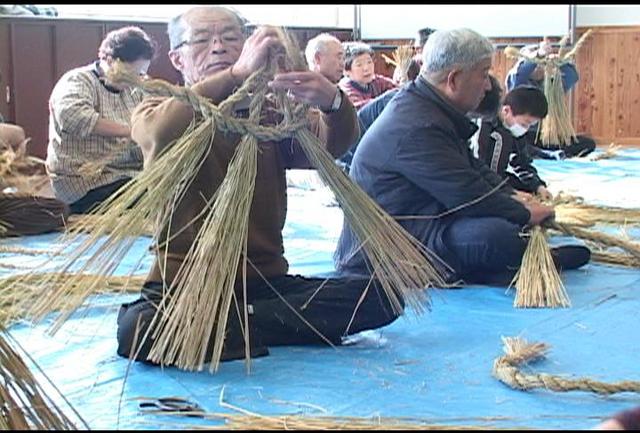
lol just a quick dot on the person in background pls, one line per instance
(89, 123)
(372, 109)
(624, 420)
(526, 71)
(415, 162)
(421, 39)
(499, 140)
(361, 83)
(325, 55)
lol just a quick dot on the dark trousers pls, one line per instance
(328, 310)
(580, 146)
(487, 250)
(96, 196)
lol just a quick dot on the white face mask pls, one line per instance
(517, 130)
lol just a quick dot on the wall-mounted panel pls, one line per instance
(33, 77)
(403, 21)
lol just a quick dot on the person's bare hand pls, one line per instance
(545, 48)
(306, 87)
(264, 42)
(544, 193)
(522, 197)
(539, 212)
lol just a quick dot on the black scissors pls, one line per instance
(172, 404)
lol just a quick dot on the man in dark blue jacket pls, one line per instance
(415, 162)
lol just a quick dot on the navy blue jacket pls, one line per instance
(415, 161)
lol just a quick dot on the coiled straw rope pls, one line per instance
(519, 351)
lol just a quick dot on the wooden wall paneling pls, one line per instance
(628, 85)
(6, 81)
(33, 79)
(585, 107)
(606, 70)
(76, 44)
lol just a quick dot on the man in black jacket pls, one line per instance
(415, 162)
(499, 142)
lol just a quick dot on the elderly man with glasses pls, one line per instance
(214, 55)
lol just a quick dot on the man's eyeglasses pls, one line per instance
(204, 40)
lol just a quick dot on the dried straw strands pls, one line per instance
(538, 283)
(401, 59)
(25, 291)
(402, 269)
(303, 422)
(519, 352)
(602, 239)
(24, 405)
(19, 171)
(557, 127)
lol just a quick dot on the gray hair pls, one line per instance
(448, 49)
(318, 45)
(176, 28)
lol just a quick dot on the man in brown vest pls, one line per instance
(209, 47)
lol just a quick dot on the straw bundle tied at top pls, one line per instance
(557, 126)
(401, 61)
(400, 264)
(538, 283)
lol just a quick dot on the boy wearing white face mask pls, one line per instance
(500, 140)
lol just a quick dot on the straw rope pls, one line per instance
(194, 312)
(619, 259)
(603, 239)
(519, 351)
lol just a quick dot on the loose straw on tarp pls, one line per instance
(24, 404)
(400, 263)
(20, 290)
(519, 352)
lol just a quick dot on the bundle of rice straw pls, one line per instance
(25, 290)
(400, 263)
(402, 60)
(611, 152)
(557, 127)
(538, 283)
(30, 215)
(22, 173)
(573, 210)
(24, 405)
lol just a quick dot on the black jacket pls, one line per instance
(507, 156)
(415, 161)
